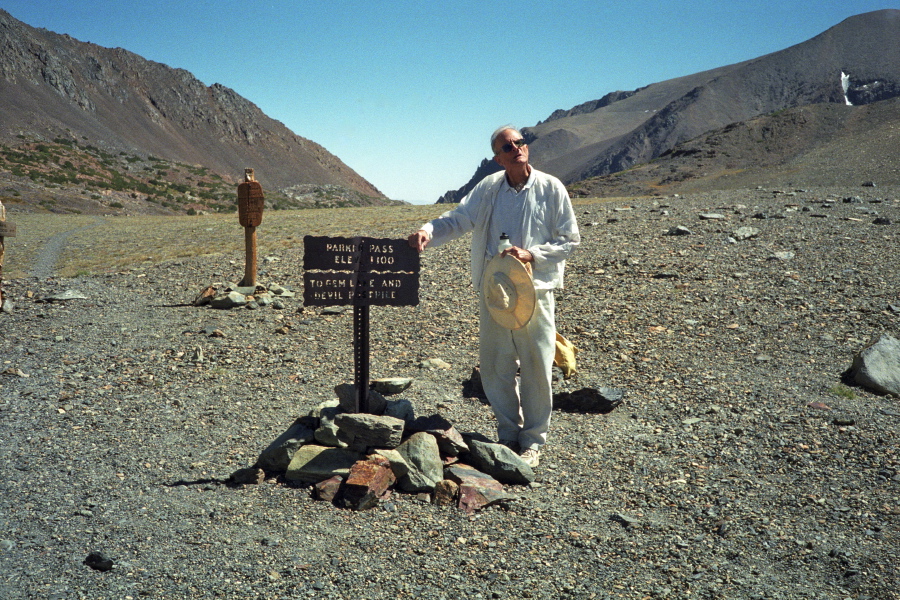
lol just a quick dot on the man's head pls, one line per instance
(509, 147)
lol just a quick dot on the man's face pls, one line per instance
(516, 156)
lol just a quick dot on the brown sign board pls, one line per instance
(360, 289)
(359, 254)
(7, 229)
(250, 203)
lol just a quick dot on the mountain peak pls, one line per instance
(624, 129)
(53, 85)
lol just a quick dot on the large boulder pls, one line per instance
(312, 463)
(877, 366)
(327, 432)
(450, 441)
(369, 482)
(346, 393)
(499, 462)
(476, 489)
(361, 431)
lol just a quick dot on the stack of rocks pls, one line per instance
(356, 460)
(231, 295)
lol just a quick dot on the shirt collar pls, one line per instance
(508, 188)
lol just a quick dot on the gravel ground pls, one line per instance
(714, 479)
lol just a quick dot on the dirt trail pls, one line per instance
(49, 254)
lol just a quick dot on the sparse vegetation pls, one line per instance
(843, 391)
(158, 184)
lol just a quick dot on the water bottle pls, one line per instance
(504, 243)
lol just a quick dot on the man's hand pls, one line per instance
(418, 240)
(521, 254)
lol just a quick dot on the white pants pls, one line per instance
(522, 407)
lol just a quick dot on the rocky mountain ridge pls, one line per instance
(855, 62)
(819, 144)
(53, 86)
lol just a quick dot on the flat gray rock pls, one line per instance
(499, 462)
(277, 456)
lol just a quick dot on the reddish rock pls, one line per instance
(476, 490)
(369, 481)
(206, 296)
(449, 440)
(328, 490)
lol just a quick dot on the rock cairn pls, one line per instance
(230, 295)
(357, 460)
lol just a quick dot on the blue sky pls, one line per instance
(406, 92)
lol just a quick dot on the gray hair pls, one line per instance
(500, 130)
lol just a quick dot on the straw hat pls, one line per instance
(508, 292)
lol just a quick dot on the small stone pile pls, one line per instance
(357, 460)
(231, 295)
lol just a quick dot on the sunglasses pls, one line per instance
(508, 147)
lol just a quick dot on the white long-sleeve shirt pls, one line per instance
(548, 227)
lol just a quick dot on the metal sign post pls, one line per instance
(370, 272)
(250, 209)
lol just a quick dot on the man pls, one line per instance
(534, 210)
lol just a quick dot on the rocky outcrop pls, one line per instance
(487, 167)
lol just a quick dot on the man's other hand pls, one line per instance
(521, 254)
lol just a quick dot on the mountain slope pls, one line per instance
(824, 144)
(866, 47)
(53, 86)
(624, 129)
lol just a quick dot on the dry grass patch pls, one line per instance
(103, 244)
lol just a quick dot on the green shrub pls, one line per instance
(843, 391)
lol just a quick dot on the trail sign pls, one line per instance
(251, 201)
(346, 254)
(250, 210)
(361, 272)
(385, 272)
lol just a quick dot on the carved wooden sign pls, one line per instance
(250, 203)
(7, 229)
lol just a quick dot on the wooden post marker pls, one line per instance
(360, 272)
(250, 211)
(7, 229)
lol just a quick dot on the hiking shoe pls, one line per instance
(531, 457)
